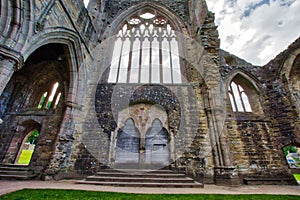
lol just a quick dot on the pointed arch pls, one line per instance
(288, 62)
(243, 94)
(73, 56)
(146, 47)
(290, 73)
(157, 144)
(117, 22)
(127, 144)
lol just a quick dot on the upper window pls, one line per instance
(50, 99)
(238, 98)
(244, 96)
(145, 51)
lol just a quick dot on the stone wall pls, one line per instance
(256, 140)
(76, 139)
(181, 104)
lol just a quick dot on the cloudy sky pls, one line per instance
(256, 30)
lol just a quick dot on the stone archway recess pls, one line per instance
(142, 139)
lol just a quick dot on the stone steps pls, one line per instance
(141, 178)
(16, 172)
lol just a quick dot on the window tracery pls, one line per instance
(145, 51)
(238, 98)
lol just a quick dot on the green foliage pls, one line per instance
(28, 194)
(48, 105)
(33, 137)
(41, 102)
(289, 149)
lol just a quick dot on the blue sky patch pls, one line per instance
(253, 6)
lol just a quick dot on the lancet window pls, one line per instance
(50, 99)
(238, 98)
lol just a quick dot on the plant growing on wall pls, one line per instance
(33, 137)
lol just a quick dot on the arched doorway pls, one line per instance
(128, 144)
(37, 95)
(142, 139)
(157, 145)
(27, 148)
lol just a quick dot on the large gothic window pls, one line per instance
(145, 51)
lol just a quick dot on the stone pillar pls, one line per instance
(7, 68)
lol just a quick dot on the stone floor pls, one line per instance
(10, 186)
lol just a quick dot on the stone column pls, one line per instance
(7, 68)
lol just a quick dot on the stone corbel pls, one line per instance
(11, 55)
(74, 105)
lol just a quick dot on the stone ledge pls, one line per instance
(269, 181)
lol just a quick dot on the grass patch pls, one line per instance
(25, 157)
(82, 195)
(297, 177)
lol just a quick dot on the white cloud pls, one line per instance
(256, 30)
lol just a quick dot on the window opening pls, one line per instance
(53, 97)
(42, 101)
(147, 15)
(145, 51)
(50, 100)
(27, 148)
(238, 98)
(292, 155)
(57, 100)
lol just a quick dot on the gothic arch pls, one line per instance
(110, 34)
(127, 143)
(157, 144)
(250, 88)
(290, 73)
(288, 62)
(74, 57)
(27, 126)
(20, 132)
(247, 76)
(116, 24)
(15, 21)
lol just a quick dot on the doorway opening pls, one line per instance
(27, 148)
(142, 139)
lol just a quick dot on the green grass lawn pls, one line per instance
(82, 195)
(297, 177)
(25, 157)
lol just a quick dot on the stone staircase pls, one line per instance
(141, 178)
(16, 172)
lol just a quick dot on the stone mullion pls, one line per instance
(140, 58)
(132, 34)
(160, 38)
(150, 61)
(240, 96)
(234, 100)
(120, 58)
(55, 96)
(171, 61)
(150, 58)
